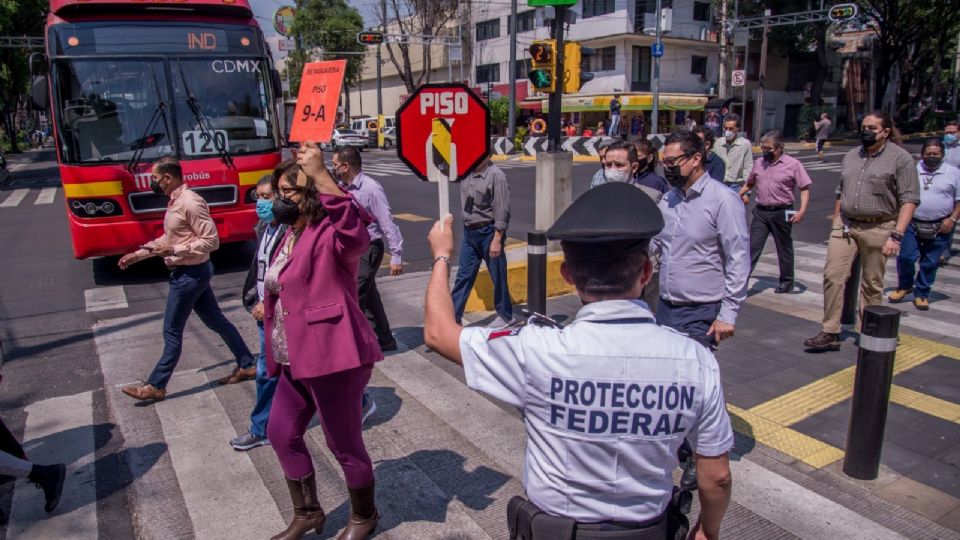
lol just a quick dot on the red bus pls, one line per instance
(130, 81)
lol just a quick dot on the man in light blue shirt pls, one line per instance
(704, 247)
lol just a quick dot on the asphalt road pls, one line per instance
(47, 330)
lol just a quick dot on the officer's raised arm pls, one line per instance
(440, 329)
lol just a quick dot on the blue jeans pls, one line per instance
(265, 389)
(928, 253)
(693, 320)
(474, 248)
(614, 126)
(190, 291)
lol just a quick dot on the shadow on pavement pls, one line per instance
(407, 490)
(388, 405)
(230, 258)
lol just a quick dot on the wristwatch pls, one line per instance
(896, 236)
(443, 258)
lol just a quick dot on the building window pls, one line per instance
(640, 77)
(604, 59)
(701, 11)
(488, 73)
(488, 29)
(525, 21)
(698, 65)
(521, 69)
(594, 8)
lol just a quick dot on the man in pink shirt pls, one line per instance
(775, 177)
(189, 235)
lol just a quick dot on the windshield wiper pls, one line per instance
(158, 113)
(205, 127)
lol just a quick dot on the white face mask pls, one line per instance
(730, 135)
(615, 175)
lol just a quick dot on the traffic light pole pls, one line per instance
(512, 92)
(556, 98)
(655, 113)
(379, 85)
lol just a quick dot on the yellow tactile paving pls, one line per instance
(411, 217)
(791, 442)
(925, 403)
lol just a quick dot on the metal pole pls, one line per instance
(449, 64)
(556, 98)
(761, 81)
(655, 113)
(871, 392)
(537, 272)
(746, 79)
(460, 36)
(956, 74)
(850, 293)
(722, 81)
(379, 84)
(512, 92)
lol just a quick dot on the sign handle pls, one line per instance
(443, 189)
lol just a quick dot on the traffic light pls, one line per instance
(573, 76)
(543, 61)
(370, 38)
(842, 13)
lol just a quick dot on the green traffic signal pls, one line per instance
(540, 78)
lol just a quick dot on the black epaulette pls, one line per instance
(536, 319)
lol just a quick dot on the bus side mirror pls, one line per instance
(39, 92)
(277, 83)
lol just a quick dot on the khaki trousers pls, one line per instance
(865, 240)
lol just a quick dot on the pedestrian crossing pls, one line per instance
(942, 319)
(27, 196)
(387, 169)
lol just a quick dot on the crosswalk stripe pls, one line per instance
(104, 298)
(15, 198)
(59, 430)
(46, 195)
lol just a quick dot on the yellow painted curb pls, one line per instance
(481, 297)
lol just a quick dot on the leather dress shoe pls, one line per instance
(143, 392)
(783, 288)
(239, 375)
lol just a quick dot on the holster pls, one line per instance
(527, 522)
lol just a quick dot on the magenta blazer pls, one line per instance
(326, 330)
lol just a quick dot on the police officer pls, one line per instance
(604, 417)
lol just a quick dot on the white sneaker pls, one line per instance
(500, 322)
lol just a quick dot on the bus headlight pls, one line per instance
(94, 208)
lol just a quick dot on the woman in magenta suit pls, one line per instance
(318, 341)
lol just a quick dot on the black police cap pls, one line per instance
(607, 222)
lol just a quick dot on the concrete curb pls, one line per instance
(481, 297)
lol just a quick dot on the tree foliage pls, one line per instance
(17, 18)
(499, 113)
(415, 18)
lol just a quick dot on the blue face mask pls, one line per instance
(265, 210)
(950, 139)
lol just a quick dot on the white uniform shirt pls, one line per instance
(607, 401)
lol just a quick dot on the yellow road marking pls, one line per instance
(411, 217)
(926, 404)
(789, 441)
(93, 189)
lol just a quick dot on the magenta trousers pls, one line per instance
(336, 400)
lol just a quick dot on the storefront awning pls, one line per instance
(632, 102)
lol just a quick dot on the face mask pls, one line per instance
(868, 138)
(155, 187)
(285, 211)
(730, 135)
(769, 156)
(673, 176)
(265, 210)
(950, 139)
(615, 175)
(932, 163)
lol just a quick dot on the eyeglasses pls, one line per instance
(288, 191)
(670, 162)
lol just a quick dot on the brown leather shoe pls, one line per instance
(145, 391)
(307, 513)
(921, 303)
(824, 341)
(239, 375)
(363, 514)
(898, 295)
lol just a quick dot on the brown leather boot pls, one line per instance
(363, 514)
(307, 514)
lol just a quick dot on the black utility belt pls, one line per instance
(776, 208)
(871, 220)
(477, 225)
(527, 522)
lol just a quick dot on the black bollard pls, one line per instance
(851, 293)
(537, 272)
(871, 391)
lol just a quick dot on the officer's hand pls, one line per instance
(441, 240)
(720, 330)
(258, 311)
(890, 248)
(396, 269)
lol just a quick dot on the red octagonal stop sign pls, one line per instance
(443, 126)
